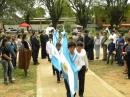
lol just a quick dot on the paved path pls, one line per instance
(47, 86)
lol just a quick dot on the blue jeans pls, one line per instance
(119, 56)
(7, 72)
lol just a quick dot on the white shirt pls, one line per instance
(81, 59)
(97, 41)
(49, 47)
(114, 37)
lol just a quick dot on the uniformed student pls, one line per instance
(48, 49)
(58, 46)
(82, 65)
(71, 47)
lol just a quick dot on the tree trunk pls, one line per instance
(54, 24)
(27, 20)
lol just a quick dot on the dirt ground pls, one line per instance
(112, 74)
(23, 86)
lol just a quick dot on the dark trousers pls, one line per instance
(81, 75)
(91, 54)
(48, 58)
(35, 56)
(53, 69)
(7, 70)
(108, 57)
(43, 52)
(119, 56)
(14, 62)
(128, 64)
(104, 52)
(58, 75)
(67, 88)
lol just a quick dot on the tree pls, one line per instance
(7, 8)
(67, 10)
(82, 11)
(26, 8)
(55, 8)
(116, 10)
(39, 12)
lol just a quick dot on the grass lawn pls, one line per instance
(23, 86)
(113, 75)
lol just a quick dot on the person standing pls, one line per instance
(35, 48)
(79, 37)
(111, 49)
(12, 50)
(71, 47)
(82, 64)
(6, 62)
(125, 61)
(14, 59)
(97, 44)
(43, 40)
(87, 44)
(104, 45)
(24, 54)
(120, 44)
(127, 53)
(58, 47)
(49, 49)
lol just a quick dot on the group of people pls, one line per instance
(12, 49)
(113, 43)
(80, 46)
(76, 56)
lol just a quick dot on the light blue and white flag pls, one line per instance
(55, 37)
(55, 58)
(68, 66)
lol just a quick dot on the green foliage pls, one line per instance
(55, 8)
(116, 10)
(39, 12)
(82, 9)
(67, 11)
(68, 27)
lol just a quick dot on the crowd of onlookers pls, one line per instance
(14, 51)
(115, 47)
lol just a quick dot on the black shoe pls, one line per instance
(11, 81)
(37, 63)
(58, 81)
(74, 94)
(6, 83)
(81, 96)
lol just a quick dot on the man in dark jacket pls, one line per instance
(35, 47)
(43, 40)
(87, 44)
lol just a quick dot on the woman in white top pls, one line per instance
(82, 65)
(97, 43)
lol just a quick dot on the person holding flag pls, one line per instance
(55, 60)
(82, 63)
(69, 69)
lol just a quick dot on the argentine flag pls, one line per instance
(55, 58)
(68, 66)
(55, 37)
